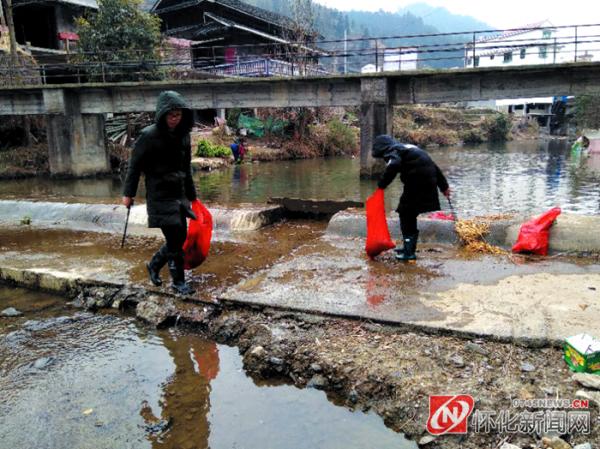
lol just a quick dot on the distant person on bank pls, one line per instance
(238, 149)
(163, 154)
(421, 178)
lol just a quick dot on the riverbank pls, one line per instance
(24, 162)
(318, 134)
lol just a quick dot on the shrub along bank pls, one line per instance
(425, 126)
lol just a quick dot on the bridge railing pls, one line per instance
(263, 68)
(538, 43)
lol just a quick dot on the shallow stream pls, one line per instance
(520, 176)
(74, 379)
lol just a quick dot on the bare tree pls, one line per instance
(301, 37)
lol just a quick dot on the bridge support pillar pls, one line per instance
(376, 116)
(76, 143)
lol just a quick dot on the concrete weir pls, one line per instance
(111, 218)
(570, 233)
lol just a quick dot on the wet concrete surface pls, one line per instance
(294, 266)
(99, 256)
(530, 300)
(73, 379)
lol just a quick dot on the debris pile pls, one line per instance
(472, 235)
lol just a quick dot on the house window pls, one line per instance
(492, 57)
(523, 53)
(476, 62)
(547, 34)
(508, 56)
(543, 51)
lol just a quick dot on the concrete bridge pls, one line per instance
(76, 112)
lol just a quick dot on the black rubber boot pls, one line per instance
(178, 275)
(399, 251)
(409, 250)
(156, 263)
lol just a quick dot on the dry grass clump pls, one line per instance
(472, 235)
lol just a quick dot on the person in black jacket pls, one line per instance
(421, 178)
(163, 154)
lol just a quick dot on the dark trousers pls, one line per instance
(175, 237)
(408, 223)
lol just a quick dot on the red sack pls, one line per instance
(378, 234)
(439, 215)
(534, 234)
(197, 242)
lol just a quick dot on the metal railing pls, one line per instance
(264, 67)
(535, 44)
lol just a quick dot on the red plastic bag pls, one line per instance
(378, 234)
(439, 215)
(197, 242)
(534, 234)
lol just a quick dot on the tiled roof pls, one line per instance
(84, 3)
(237, 5)
(515, 32)
(263, 14)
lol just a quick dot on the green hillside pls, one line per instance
(331, 24)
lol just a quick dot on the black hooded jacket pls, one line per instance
(165, 159)
(420, 175)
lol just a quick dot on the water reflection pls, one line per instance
(185, 403)
(83, 380)
(519, 176)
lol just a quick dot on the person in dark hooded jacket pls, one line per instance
(421, 178)
(163, 154)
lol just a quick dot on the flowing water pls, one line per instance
(523, 177)
(73, 379)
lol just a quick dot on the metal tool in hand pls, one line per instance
(125, 230)
(454, 217)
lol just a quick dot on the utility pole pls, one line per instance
(345, 51)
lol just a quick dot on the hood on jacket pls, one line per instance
(383, 144)
(167, 101)
(385, 147)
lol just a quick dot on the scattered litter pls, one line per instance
(582, 353)
(88, 411)
(527, 367)
(587, 380)
(472, 236)
(11, 312)
(439, 215)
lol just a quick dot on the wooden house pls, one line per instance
(233, 38)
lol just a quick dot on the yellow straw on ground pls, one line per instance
(472, 235)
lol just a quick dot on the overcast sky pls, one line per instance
(498, 14)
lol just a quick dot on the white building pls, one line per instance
(540, 43)
(394, 59)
